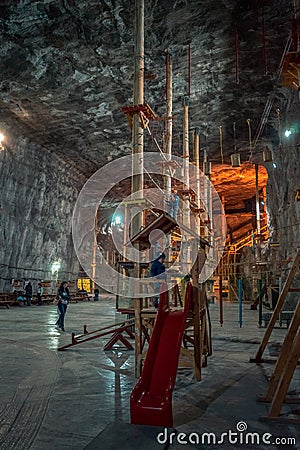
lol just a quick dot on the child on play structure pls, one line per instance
(158, 270)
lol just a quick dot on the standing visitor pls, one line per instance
(28, 293)
(63, 295)
(39, 294)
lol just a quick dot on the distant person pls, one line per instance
(174, 204)
(28, 293)
(21, 298)
(96, 295)
(158, 270)
(39, 293)
(63, 295)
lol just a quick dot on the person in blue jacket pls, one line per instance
(174, 204)
(158, 270)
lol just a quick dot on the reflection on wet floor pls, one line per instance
(92, 387)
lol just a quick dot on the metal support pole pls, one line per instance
(186, 155)
(221, 300)
(260, 303)
(240, 294)
(169, 129)
(95, 248)
(257, 201)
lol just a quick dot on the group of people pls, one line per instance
(28, 292)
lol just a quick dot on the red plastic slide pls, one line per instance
(151, 398)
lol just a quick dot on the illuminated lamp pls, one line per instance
(287, 133)
(55, 267)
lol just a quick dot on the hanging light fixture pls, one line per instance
(267, 155)
(235, 157)
(250, 139)
(279, 127)
(207, 168)
(206, 164)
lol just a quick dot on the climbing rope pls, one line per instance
(279, 126)
(221, 144)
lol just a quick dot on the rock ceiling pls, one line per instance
(67, 69)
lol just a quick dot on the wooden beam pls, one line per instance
(278, 307)
(286, 378)
(283, 356)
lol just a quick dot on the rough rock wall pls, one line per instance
(37, 195)
(284, 176)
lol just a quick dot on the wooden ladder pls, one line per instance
(278, 308)
(283, 373)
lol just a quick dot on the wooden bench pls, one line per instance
(285, 317)
(47, 298)
(8, 299)
(80, 298)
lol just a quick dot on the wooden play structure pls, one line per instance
(277, 391)
(196, 338)
(151, 399)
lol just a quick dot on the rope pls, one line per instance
(250, 139)
(279, 126)
(156, 143)
(153, 181)
(221, 145)
(237, 79)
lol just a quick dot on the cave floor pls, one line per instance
(79, 398)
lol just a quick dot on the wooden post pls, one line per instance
(199, 321)
(169, 129)
(240, 298)
(197, 161)
(138, 163)
(278, 307)
(257, 209)
(260, 302)
(285, 378)
(186, 173)
(283, 356)
(221, 300)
